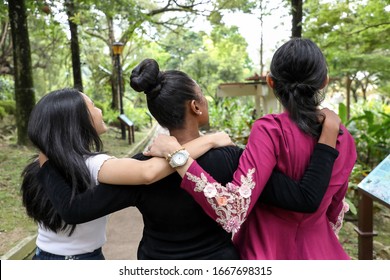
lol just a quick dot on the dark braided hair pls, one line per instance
(299, 72)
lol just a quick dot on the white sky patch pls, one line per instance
(276, 30)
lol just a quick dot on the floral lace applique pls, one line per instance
(339, 223)
(230, 203)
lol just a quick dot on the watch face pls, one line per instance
(179, 158)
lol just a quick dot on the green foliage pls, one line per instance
(369, 127)
(343, 113)
(138, 115)
(234, 115)
(353, 36)
(50, 54)
(6, 88)
(8, 107)
(352, 206)
(2, 113)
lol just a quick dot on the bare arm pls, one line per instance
(128, 171)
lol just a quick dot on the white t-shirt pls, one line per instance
(87, 237)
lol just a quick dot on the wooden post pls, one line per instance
(365, 227)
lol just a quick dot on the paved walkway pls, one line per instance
(124, 231)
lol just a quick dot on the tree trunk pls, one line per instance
(24, 86)
(348, 94)
(74, 46)
(114, 71)
(261, 39)
(296, 11)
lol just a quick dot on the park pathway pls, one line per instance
(124, 230)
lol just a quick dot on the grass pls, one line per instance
(15, 225)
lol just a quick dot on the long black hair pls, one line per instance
(61, 127)
(299, 71)
(166, 92)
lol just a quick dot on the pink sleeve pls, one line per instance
(337, 209)
(230, 205)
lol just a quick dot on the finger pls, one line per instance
(146, 151)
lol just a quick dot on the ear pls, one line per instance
(270, 82)
(194, 107)
(326, 82)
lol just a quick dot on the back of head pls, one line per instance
(60, 126)
(299, 72)
(166, 92)
(60, 122)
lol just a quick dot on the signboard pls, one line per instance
(125, 120)
(377, 183)
(266, 101)
(242, 89)
(130, 127)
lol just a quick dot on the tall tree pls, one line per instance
(296, 11)
(24, 88)
(74, 45)
(363, 57)
(5, 43)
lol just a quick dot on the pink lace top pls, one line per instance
(267, 232)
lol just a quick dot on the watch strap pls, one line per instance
(169, 156)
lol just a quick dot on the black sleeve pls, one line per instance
(304, 196)
(221, 163)
(89, 205)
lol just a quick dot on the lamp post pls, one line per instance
(117, 49)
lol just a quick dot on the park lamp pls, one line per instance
(117, 48)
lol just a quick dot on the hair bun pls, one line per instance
(146, 77)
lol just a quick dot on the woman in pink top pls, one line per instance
(283, 141)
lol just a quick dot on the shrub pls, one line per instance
(369, 127)
(2, 113)
(8, 106)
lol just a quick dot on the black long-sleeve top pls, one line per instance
(175, 226)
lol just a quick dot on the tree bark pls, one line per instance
(296, 11)
(74, 46)
(261, 38)
(348, 95)
(24, 86)
(114, 72)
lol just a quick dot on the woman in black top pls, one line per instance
(175, 226)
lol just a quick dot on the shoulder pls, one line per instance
(271, 123)
(269, 130)
(97, 160)
(94, 163)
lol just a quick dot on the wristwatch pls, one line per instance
(178, 158)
